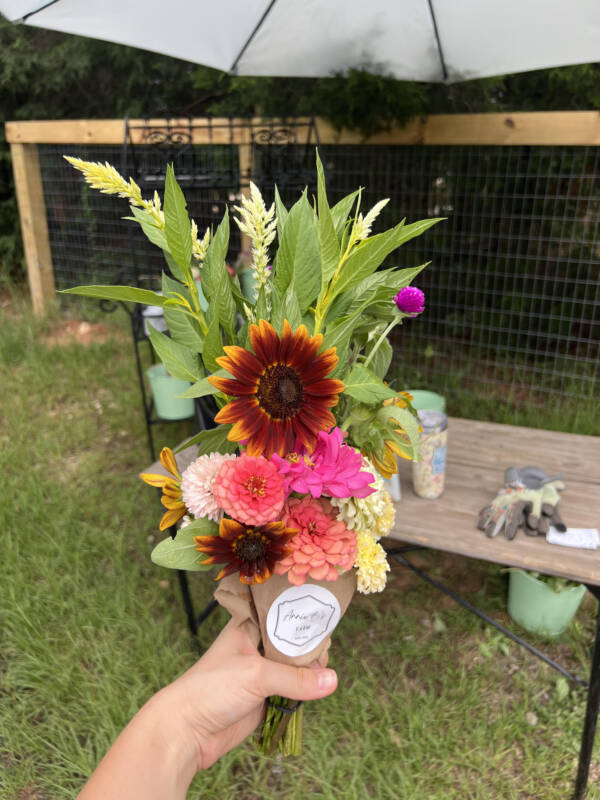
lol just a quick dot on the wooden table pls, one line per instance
(478, 453)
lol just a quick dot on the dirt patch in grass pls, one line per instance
(31, 792)
(72, 330)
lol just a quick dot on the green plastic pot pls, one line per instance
(537, 608)
(424, 400)
(165, 389)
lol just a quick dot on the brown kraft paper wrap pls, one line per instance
(249, 607)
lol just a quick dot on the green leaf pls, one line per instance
(382, 359)
(178, 359)
(184, 329)
(405, 420)
(126, 294)
(155, 234)
(329, 245)
(203, 387)
(181, 552)
(281, 213)
(178, 229)
(174, 268)
(298, 258)
(216, 283)
(170, 287)
(213, 440)
(365, 259)
(340, 211)
(287, 308)
(364, 386)
(384, 284)
(261, 308)
(213, 346)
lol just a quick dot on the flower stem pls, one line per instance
(383, 336)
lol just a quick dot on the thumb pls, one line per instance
(295, 683)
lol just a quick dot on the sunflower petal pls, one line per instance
(167, 459)
(153, 479)
(229, 529)
(170, 518)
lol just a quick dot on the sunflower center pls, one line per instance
(280, 392)
(250, 546)
(255, 485)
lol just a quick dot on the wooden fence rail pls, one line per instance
(575, 128)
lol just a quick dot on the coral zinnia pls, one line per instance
(171, 489)
(251, 550)
(281, 389)
(250, 490)
(324, 546)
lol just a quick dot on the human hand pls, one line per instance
(222, 697)
(198, 718)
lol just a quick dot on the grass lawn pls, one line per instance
(431, 705)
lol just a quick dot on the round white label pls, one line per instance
(301, 617)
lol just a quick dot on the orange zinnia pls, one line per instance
(171, 489)
(281, 389)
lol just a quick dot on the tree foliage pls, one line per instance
(50, 75)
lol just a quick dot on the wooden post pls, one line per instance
(34, 227)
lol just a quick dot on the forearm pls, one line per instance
(151, 759)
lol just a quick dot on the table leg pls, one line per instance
(591, 711)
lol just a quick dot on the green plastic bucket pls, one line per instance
(538, 609)
(164, 389)
(424, 400)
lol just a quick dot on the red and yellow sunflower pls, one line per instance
(171, 489)
(251, 550)
(281, 390)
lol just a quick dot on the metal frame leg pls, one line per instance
(187, 602)
(465, 604)
(591, 711)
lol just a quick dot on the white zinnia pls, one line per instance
(197, 485)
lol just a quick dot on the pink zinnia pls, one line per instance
(250, 490)
(323, 546)
(333, 469)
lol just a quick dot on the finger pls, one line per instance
(295, 683)
(543, 525)
(516, 518)
(557, 521)
(531, 521)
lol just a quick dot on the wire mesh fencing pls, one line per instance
(513, 288)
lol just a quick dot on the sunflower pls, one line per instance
(253, 550)
(386, 464)
(281, 389)
(171, 489)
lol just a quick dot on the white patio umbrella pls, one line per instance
(425, 40)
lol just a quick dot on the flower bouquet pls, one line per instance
(286, 494)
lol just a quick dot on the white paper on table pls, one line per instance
(586, 538)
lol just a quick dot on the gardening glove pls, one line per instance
(550, 501)
(508, 511)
